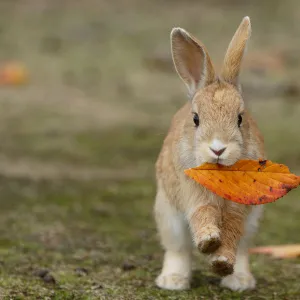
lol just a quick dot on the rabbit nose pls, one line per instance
(218, 152)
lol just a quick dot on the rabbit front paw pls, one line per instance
(209, 241)
(221, 265)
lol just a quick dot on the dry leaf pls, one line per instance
(280, 251)
(13, 74)
(248, 182)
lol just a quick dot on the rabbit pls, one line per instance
(214, 126)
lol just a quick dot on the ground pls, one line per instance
(79, 142)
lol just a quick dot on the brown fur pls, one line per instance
(206, 218)
(232, 230)
(216, 225)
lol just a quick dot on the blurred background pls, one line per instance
(87, 92)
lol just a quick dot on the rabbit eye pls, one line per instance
(240, 120)
(196, 119)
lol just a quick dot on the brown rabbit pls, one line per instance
(214, 126)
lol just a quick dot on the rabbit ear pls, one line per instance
(235, 52)
(191, 60)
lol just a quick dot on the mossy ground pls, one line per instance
(106, 227)
(79, 143)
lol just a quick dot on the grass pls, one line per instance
(79, 143)
(104, 227)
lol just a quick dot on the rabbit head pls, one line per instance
(216, 127)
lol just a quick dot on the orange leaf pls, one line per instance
(248, 182)
(13, 74)
(280, 251)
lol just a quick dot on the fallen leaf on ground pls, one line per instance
(279, 251)
(248, 182)
(13, 74)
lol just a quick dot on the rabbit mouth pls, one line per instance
(220, 161)
(223, 161)
(226, 154)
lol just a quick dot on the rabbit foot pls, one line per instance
(173, 282)
(221, 265)
(239, 281)
(209, 243)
